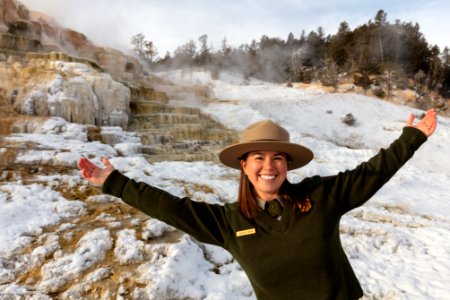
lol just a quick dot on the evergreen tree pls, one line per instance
(445, 81)
(204, 57)
(374, 48)
(225, 48)
(435, 69)
(380, 24)
(150, 51)
(340, 46)
(317, 47)
(290, 41)
(415, 54)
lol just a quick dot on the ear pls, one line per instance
(243, 164)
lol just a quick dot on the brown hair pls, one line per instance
(249, 206)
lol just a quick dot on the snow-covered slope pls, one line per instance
(398, 243)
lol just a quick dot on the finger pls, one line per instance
(106, 162)
(89, 164)
(80, 163)
(430, 117)
(85, 174)
(83, 163)
(431, 114)
(410, 120)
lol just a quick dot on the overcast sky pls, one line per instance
(171, 23)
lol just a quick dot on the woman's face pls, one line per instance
(267, 171)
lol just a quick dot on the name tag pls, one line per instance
(246, 232)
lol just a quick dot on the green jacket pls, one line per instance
(309, 261)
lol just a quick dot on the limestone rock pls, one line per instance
(74, 91)
(23, 31)
(118, 64)
(11, 10)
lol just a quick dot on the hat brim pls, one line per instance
(299, 155)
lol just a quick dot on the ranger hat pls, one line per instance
(265, 136)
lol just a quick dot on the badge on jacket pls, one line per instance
(245, 232)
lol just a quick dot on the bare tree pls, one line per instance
(184, 55)
(138, 42)
(144, 49)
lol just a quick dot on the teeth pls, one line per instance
(268, 177)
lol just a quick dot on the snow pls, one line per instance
(155, 228)
(398, 243)
(128, 248)
(26, 209)
(92, 248)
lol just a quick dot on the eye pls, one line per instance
(256, 156)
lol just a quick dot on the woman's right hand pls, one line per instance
(93, 173)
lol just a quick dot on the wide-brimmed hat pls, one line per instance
(265, 136)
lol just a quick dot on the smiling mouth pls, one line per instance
(268, 177)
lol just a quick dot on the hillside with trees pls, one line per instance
(378, 54)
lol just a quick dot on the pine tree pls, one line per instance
(445, 81)
(204, 57)
(150, 51)
(339, 48)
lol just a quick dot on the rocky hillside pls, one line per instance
(22, 31)
(47, 70)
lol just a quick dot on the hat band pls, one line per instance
(266, 140)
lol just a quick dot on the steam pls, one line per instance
(169, 24)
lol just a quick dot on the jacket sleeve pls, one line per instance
(205, 222)
(353, 188)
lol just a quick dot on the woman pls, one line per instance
(285, 236)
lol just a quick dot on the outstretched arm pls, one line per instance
(353, 188)
(93, 173)
(205, 222)
(427, 125)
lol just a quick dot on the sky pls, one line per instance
(170, 24)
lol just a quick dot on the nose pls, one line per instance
(268, 163)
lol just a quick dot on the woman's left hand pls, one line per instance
(427, 125)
